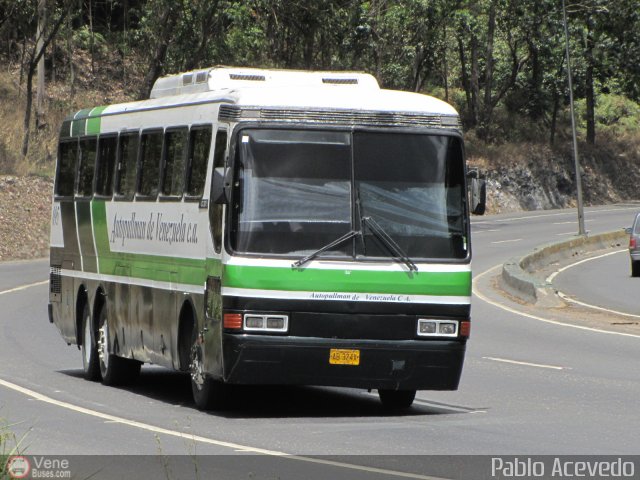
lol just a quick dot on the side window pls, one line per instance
(65, 175)
(199, 145)
(215, 210)
(175, 156)
(150, 156)
(127, 158)
(105, 165)
(88, 149)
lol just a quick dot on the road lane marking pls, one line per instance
(211, 441)
(508, 241)
(526, 364)
(575, 264)
(475, 232)
(595, 307)
(536, 317)
(445, 407)
(543, 215)
(24, 287)
(572, 222)
(568, 298)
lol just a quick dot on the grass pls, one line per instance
(100, 88)
(10, 445)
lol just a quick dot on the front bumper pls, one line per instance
(384, 364)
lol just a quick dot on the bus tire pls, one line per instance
(397, 399)
(115, 370)
(635, 268)
(208, 393)
(90, 364)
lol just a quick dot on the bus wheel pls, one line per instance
(115, 370)
(397, 399)
(208, 393)
(88, 348)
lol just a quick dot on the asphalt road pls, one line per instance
(605, 282)
(528, 387)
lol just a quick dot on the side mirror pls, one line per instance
(627, 230)
(477, 192)
(221, 186)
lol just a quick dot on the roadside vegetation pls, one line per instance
(10, 445)
(501, 63)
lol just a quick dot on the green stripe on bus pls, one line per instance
(191, 271)
(78, 127)
(357, 281)
(93, 122)
(195, 272)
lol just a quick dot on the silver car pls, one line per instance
(634, 246)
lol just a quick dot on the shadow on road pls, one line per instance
(274, 401)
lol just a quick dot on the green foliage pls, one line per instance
(86, 40)
(615, 114)
(501, 63)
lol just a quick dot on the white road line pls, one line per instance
(567, 298)
(509, 241)
(206, 440)
(595, 307)
(572, 222)
(543, 215)
(526, 364)
(24, 287)
(575, 264)
(567, 233)
(439, 406)
(475, 232)
(536, 317)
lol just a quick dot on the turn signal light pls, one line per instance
(465, 329)
(232, 321)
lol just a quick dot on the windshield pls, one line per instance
(297, 191)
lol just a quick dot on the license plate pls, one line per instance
(339, 356)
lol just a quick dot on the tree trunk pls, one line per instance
(445, 64)
(465, 81)
(27, 113)
(487, 110)
(34, 59)
(475, 74)
(167, 22)
(589, 89)
(42, 22)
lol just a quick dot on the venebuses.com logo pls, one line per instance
(18, 467)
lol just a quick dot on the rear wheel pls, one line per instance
(635, 268)
(88, 347)
(208, 394)
(115, 370)
(397, 399)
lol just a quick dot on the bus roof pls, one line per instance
(279, 89)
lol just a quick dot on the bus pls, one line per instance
(253, 226)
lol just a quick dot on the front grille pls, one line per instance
(364, 118)
(55, 279)
(233, 113)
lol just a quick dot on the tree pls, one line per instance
(37, 51)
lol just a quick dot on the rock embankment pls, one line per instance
(25, 209)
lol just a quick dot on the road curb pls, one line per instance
(518, 274)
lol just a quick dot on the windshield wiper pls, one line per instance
(335, 243)
(384, 237)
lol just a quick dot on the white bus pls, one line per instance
(257, 226)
